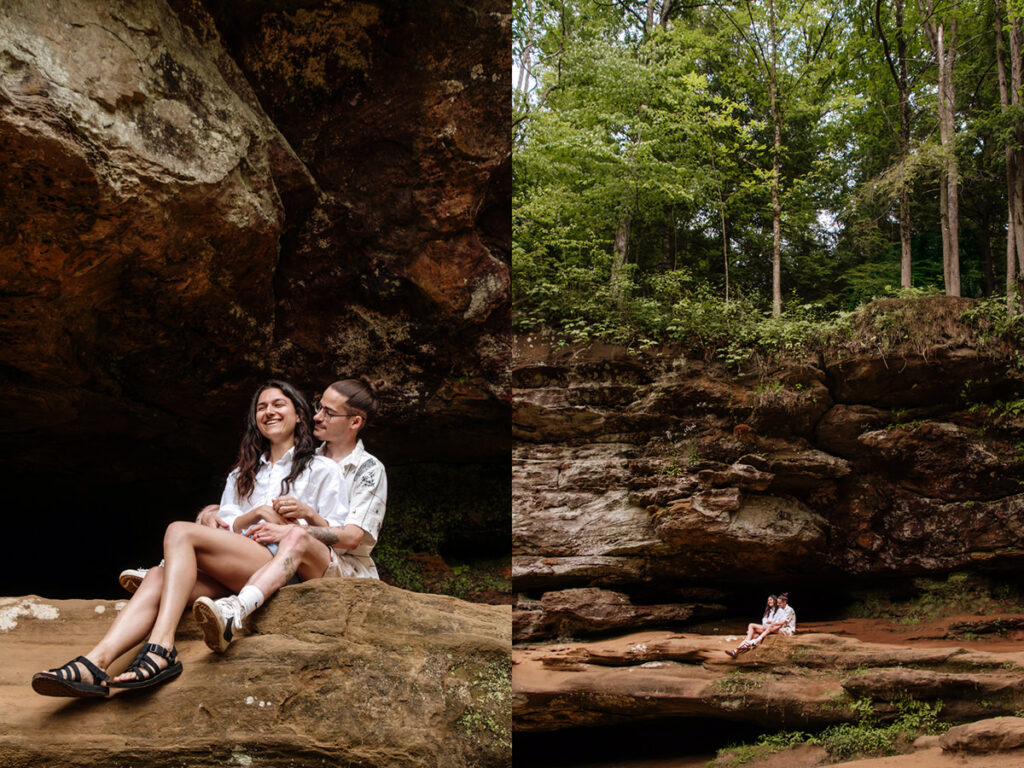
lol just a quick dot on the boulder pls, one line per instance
(943, 461)
(998, 734)
(590, 611)
(769, 535)
(342, 671)
(141, 231)
(805, 681)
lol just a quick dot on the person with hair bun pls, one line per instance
(319, 546)
(277, 460)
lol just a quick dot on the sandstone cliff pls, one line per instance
(649, 488)
(346, 672)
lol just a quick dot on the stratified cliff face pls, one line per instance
(198, 195)
(647, 489)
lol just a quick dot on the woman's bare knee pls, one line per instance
(178, 530)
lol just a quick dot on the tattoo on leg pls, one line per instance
(288, 566)
(326, 535)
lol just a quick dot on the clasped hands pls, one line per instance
(274, 519)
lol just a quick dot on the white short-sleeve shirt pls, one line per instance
(367, 501)
(788, 616)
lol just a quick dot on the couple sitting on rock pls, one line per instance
(289, 511)
(779, 617)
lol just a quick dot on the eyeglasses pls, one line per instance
(328, 413)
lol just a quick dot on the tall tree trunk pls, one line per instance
(1011, 190)
(947, 135)
(943, 42)
(620, 253)
(777, 219)
(725, 248)
(776, 167)
(1017, 210)
(649, 21)
(985, 246)
(904, 92)
(898, 70)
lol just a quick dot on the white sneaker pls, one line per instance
(219, 620)
(131, 578)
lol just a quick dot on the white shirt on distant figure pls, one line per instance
(788, 616)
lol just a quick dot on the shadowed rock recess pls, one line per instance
(197, 195)
(333, 672)
(651, 489)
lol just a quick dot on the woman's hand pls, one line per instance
(294, 510)
(268, 533)
(268, 514)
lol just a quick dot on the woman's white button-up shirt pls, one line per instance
(321, 486)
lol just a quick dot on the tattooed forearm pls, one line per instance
(288, 566)
(326, 535)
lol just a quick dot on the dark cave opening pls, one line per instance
(631, 743)
(72, 537)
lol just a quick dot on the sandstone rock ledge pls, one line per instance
(806, 681)
(334, 672)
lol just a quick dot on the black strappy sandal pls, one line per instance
(153, 674)
(67, 681)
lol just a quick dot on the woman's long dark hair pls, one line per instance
(255, 445)
(770, 604)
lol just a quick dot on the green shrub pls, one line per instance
(847, 740)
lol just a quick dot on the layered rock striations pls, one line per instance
(658, 479)
(350, 672)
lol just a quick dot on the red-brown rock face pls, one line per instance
(199, 195)
(651, 475)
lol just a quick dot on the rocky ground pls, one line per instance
(808, 681)
(347, 672)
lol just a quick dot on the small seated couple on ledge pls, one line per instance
(779, 617)
(290, 511)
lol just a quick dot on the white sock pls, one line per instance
(251, 598)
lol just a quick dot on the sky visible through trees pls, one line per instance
(800, 157)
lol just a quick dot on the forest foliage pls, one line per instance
(665, 154)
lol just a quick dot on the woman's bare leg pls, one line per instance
(297, 552)
(224, 557)
(136, 619)
(753, 629)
